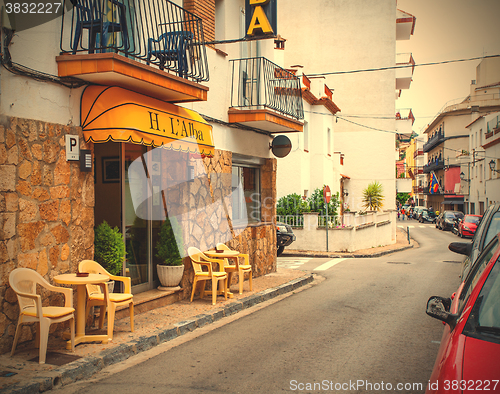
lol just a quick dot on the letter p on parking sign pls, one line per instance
(72, 147)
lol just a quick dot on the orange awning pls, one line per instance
(110, 113)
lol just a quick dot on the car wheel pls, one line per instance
(280, 250)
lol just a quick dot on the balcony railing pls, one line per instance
(148, 31)
(418, 189)
(417, 153)
(433, 166)
(494, 125)
(434, 141)
(427, 192)
(259, 83)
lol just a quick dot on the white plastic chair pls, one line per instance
(95, 296)
(23, 281)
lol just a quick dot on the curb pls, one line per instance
(348, 256)
(86, 367)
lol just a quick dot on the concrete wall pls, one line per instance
(358, 232)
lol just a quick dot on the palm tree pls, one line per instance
(373, 197)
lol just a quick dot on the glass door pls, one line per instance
(137, 230)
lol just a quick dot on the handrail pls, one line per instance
(259, 83)
(127, 27)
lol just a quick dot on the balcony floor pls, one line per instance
(265, 119)
(116, 70)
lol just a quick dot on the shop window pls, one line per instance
(246, 207)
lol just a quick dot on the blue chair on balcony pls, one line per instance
(171, 47)
(89, 15)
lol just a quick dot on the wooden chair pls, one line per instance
(96, 297)
(241, 269)
(23, 281)
(200, 261)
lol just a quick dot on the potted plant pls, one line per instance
(170, 269)
(109, 248)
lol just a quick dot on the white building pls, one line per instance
(330, 40)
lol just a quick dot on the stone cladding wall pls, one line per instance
(46, 211)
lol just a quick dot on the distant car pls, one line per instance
(446, 219)
(468, 225)
(469, 353)
(427, 216)
(416, 212)
(488, 227)
(284, 236)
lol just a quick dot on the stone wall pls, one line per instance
(46, 211)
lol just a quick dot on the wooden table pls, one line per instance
(224, 255)
(81, 298)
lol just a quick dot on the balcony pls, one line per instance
(427, 192)
(265, 96)
(417, 153)
(418, 189)
(434, 141)
(434, 166)
(405, 25)
(419, 171)
(152, 47)
(404, 70)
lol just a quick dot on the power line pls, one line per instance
(402, 66)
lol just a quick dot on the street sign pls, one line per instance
(327, 194)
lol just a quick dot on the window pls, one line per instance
(328, 142)
(249, 177)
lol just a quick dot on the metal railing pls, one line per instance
(433, 166)
(292, 220)
(434, 141)
(155, 32)
(259, 83)
(493, 124)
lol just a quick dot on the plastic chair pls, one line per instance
(89, 15)
(96, 297)
(199, 261)
(23, 281)
(171, 46)
(241, 269)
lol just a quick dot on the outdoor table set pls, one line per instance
(92, 290)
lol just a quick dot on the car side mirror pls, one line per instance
(461, 247)
(439, 308)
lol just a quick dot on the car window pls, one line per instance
(471, 219)
(476, 241)
(494, 228)
(475, 273)
(484, 318)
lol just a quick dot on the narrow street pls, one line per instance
(364, 324)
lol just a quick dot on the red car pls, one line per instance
(469, 355)
(468, 225)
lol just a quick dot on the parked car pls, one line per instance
(427, 216)
(446, 219)
(416, 211)
(284, 236)
(468, 225)
(488, 227)
(469, 354)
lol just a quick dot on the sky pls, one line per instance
(446, 30)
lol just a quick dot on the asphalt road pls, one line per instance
(363, 324)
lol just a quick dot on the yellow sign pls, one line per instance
(120, 115)
(259, 22)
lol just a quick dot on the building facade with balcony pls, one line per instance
(448, 137)
(165, 124)
(367, 33)
(480, 178)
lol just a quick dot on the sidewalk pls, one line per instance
(151, 329)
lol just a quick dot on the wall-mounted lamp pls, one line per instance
(492, 166)
(345, 193)
(463, 178)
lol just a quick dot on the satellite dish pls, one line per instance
(281, 146)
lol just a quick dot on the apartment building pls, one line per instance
(448, 138)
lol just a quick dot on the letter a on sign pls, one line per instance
(260, 17)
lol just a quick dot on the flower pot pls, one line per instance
(169, 276)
